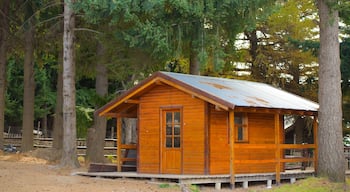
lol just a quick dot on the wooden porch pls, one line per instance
(207, 179)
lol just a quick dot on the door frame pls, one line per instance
(162, 136)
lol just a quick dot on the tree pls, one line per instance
(280, 51)
(29, 83)
(4, 30)
(97, 134)
(69, 155)
(58, 120)
(331, 161)
(201, 31)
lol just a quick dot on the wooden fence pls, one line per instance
(110, 148)
(347, 156)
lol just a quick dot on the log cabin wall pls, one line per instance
(260, 131)
(219, 144)
(193, 131)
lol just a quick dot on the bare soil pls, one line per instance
(23, 172)
(20, 172)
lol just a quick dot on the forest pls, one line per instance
(118, 43)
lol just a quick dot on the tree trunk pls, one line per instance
(58, 120)
(4, 28)
(194, 60)
(299, 130)
(29, 87)
(44, 126)
(129, 130)
(331, 161)
(97, 134)
(69, 154)
(253, 51)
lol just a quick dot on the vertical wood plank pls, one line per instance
(232, 147)
(206, 138)
(278, 150)
(315, 132)
(119, 150)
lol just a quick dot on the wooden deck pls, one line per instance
(206, 179)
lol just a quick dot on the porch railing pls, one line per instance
(306, 153)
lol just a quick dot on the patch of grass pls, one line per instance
(111, 158)
(81, 160)
(194, 188)
(168, 186)
(313, 184)
(164, 185)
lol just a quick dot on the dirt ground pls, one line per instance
(25, 173)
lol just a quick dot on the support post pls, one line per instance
(269, 184)
(293, 180)
(232, 147)
(315, 132)
(119, 150)
(278, 149)
(245, 184)
(217, 186)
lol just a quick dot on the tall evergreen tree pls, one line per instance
(280, 51)
(195, 30)
(97, 134)
(4, 30)
(331, 161)
(29, 83)
(69, 155)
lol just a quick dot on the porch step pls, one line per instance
(101, 167)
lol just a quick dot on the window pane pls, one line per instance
(169, 130)
(238, 120)
(177, 142)
(169, 117)
(169, 142)
(177, 117)
(177, 130)
(240, 133)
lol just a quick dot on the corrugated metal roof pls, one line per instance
(245, 93)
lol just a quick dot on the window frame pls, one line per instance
(243, 126)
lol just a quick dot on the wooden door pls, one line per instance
(171, 162)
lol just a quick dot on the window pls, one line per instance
(172, 129)
(241, 127)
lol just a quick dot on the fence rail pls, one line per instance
(110, 148)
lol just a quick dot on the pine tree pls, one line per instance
(331, 161)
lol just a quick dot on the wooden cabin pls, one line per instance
(201, 125)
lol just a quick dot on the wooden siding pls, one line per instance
(163, 96)
(261, 132)
(219, 155)
(261, 129)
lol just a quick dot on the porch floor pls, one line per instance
(203, 179)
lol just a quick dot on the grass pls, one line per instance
(164, 185)
(313, 184)
(191, 188)
(168, 186)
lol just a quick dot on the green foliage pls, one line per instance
(283, 49)
(84, 120)
(312, 184)
(173, 29)
(45, 99)
(14, 92)
(345, 72)
(344, 11)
